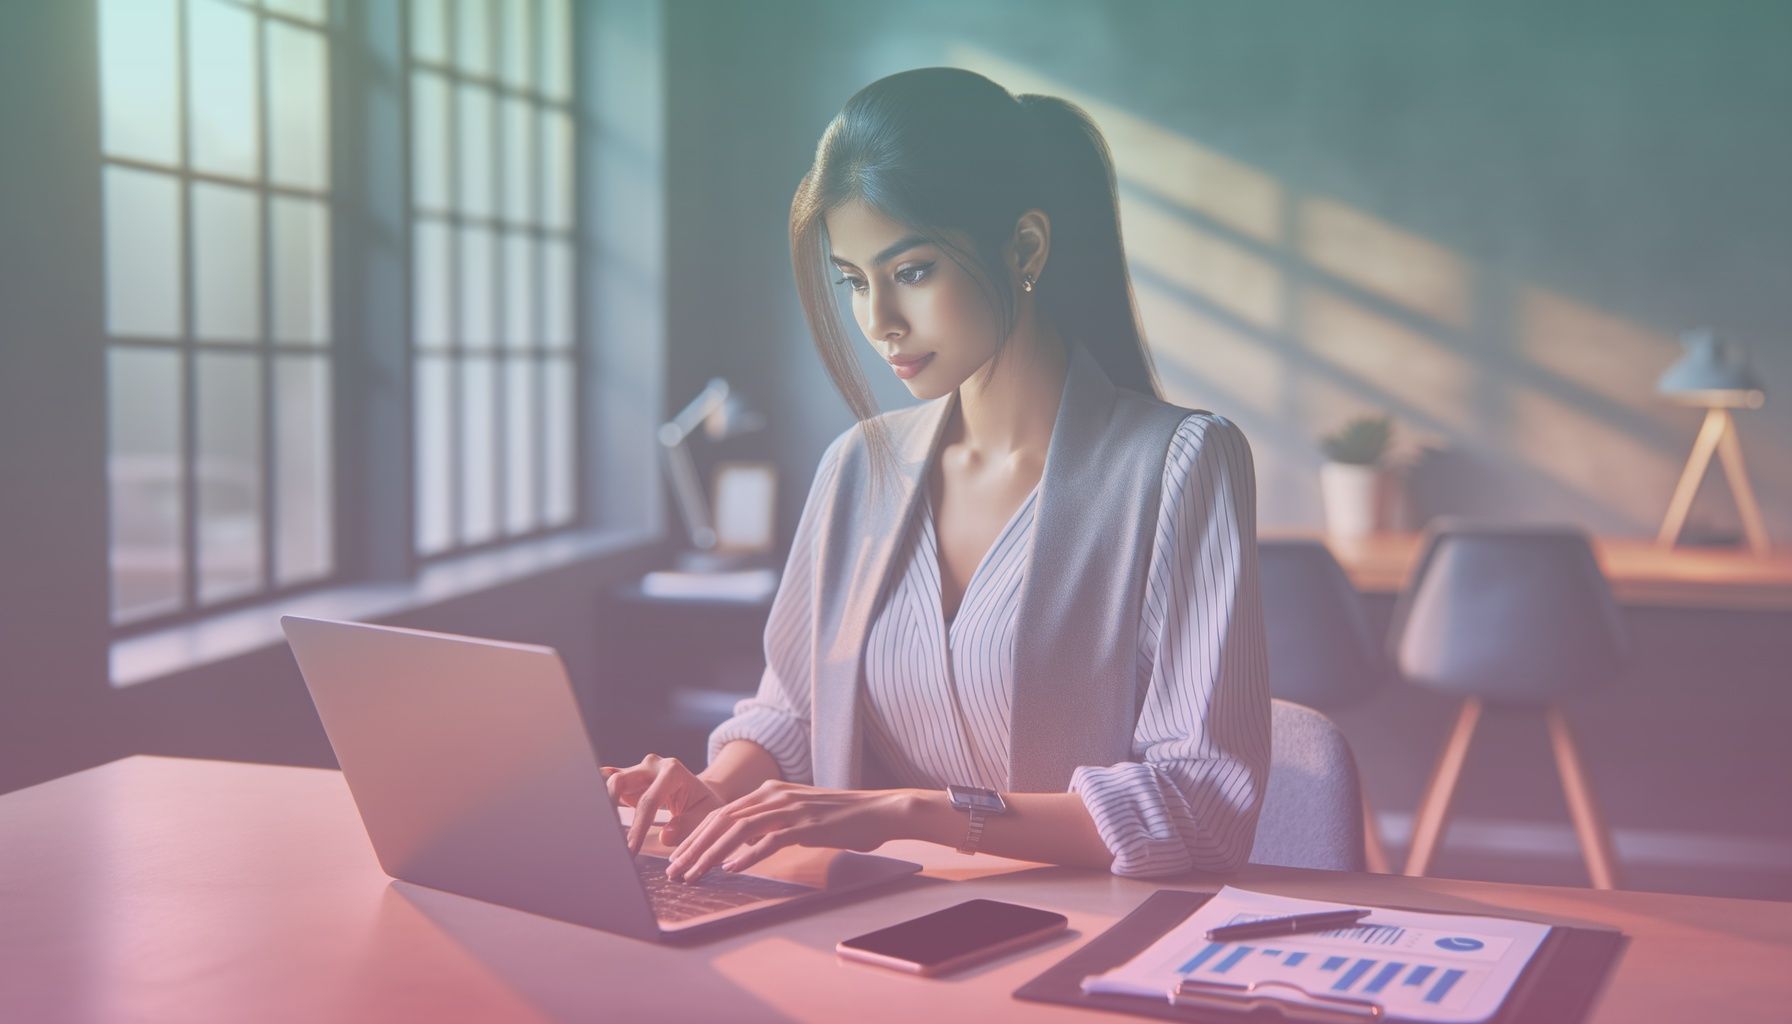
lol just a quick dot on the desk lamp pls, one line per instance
(720, 414)
(1716, 375)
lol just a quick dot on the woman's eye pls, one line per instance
(915, 274)
(857, 285)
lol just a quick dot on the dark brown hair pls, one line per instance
(953, 156)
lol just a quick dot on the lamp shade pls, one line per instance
(1713, 372)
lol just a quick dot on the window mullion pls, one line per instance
(500, 427)
(270, 513)
(189, 363)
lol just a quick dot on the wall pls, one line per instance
(1490, 221)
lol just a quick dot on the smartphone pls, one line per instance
(955, 937)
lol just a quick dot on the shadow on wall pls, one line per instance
(1292, 313)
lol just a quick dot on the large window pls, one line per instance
(494, 255)
(216, 145)
(223, 361)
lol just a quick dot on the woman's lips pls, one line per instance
(909, 368)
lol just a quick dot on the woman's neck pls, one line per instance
(1011, 415)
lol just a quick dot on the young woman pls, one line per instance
(1038, 587)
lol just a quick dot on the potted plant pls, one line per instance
(1357, 487)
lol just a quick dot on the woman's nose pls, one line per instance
(882, 320)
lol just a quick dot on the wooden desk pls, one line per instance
(157, 889)
(1641, 574)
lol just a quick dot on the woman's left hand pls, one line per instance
(779, 814)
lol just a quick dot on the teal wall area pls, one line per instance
(1491, 221)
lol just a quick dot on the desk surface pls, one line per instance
(156, 889)
(1641, 573)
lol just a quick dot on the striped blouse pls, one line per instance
(938, 695)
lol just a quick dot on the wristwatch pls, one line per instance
(981, 804)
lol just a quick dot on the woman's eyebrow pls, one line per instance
(889, 253)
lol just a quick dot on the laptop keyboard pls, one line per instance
(719, 890)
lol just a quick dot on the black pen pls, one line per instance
(1319, 922)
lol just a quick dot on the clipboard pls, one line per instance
(1557, 987)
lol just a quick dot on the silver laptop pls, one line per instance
(473, 773)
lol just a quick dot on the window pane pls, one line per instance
(556, 169)
(429, 284)
(226, 263)
(139, 91)
(473, 36)
(519, 445)
(434, 448)
(301, 270)
(516, 66)
(429, 141)
(519, 181)
(556, 48)
(228, 476)
(310, 10)
(298, 105)
(221, 52)
(557, 294)
(302, 469)
(473, 120)
(519, 295)
(143, 292)
(429, 30)
(557, 412)
(478, 477)
(477, 285)
(144, 483)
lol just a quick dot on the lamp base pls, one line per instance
(720, 561)
(1717, 436)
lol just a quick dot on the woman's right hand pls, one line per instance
(661, 782)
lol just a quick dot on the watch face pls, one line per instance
(969, 798)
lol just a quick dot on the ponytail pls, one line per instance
(1085, 288)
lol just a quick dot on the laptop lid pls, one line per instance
(471, 768)
(470, 764)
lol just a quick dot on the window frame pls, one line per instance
(454, 221)
(188, 347)
(371, 439)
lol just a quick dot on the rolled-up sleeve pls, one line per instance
(777, 716)
(1189, 799)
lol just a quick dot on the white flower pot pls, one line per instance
(1359, 500)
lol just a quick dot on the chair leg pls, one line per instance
(1595, 838)
(1375, 852)
(1434, 808)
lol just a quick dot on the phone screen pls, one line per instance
(955, 932)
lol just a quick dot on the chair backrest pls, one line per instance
(1312, 814)
(1519, 615)
(1321, 650)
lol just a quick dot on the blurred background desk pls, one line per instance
(673, 664)
(1642, 574)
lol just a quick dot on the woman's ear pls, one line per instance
(1031, 245)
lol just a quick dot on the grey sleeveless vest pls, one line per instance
(1075, 693)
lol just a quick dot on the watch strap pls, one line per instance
(973, 836)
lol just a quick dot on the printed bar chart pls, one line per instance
(1355, 970)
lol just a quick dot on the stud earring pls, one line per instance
(1026, 283)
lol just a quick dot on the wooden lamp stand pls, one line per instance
(1717, 435)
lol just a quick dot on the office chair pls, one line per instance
(1312, 808)
(1517, 617)
(1321, 650)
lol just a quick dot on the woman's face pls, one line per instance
(921, 311)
